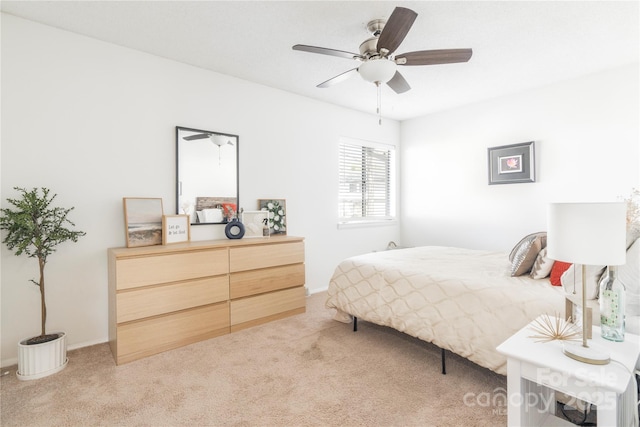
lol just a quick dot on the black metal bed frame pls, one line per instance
(442, 351)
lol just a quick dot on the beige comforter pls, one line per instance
(461, 300)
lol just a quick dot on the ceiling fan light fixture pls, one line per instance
(220, 140)
(377, 70)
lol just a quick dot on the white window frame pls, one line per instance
(358, 216)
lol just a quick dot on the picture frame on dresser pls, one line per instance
(512, 164)
(277, 209)
(254, 223)
(143, 221)
(176, 229)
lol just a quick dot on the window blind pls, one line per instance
(365, 183)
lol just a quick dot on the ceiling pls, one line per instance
(516, 45)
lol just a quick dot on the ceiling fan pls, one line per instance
(376, 53)
(216, 138)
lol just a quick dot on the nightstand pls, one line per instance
(536, 370)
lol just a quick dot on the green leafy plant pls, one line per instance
(35, 228)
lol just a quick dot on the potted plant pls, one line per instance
(35, 228)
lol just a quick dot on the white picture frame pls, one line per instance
(176, 229)
(254, 222)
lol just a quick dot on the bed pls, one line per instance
(462, 300)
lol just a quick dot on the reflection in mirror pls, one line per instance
(206, 175)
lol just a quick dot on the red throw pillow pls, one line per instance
(229, 210)
(558, 268)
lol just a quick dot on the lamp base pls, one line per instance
(583, 354)
(573, 313)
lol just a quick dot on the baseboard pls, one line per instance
(317, 291)
(11, 362)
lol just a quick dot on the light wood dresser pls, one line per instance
(164, 297)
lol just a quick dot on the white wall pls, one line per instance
(586, 133)
(95, 122)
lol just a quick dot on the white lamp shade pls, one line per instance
(377, 70)
(587, 233)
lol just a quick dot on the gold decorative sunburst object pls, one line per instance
(550, 328)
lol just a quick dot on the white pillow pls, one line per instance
(569, 277)
(542, 267)
(629, 275)
(212, 215)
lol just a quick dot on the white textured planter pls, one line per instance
(40, 360)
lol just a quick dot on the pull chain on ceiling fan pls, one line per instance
(378, 65)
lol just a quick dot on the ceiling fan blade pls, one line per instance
(327, 51)
(398, 83)
(433, 57)
(339, 78)
(395, 30)
(198, 136)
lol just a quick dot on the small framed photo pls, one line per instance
(176, 229)
(509, 164)
(255, 223)
(277, 209)
(143, 221)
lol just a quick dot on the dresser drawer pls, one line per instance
(246, 312)
(146, 302)
(262, 256)
(146, 337)
(151, 270)
(165, 297)
(253, 282)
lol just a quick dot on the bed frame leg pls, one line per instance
(442, 353)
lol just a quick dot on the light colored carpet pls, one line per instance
(306, 370)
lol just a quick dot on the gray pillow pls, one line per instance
(526, 253)
(543, 240)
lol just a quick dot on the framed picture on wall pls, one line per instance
(277, 209)
(176, 229)
(254, 223)
(509, 164)
(143, 221)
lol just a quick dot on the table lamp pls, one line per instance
(587, 234)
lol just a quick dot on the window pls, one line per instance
(367, 181)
